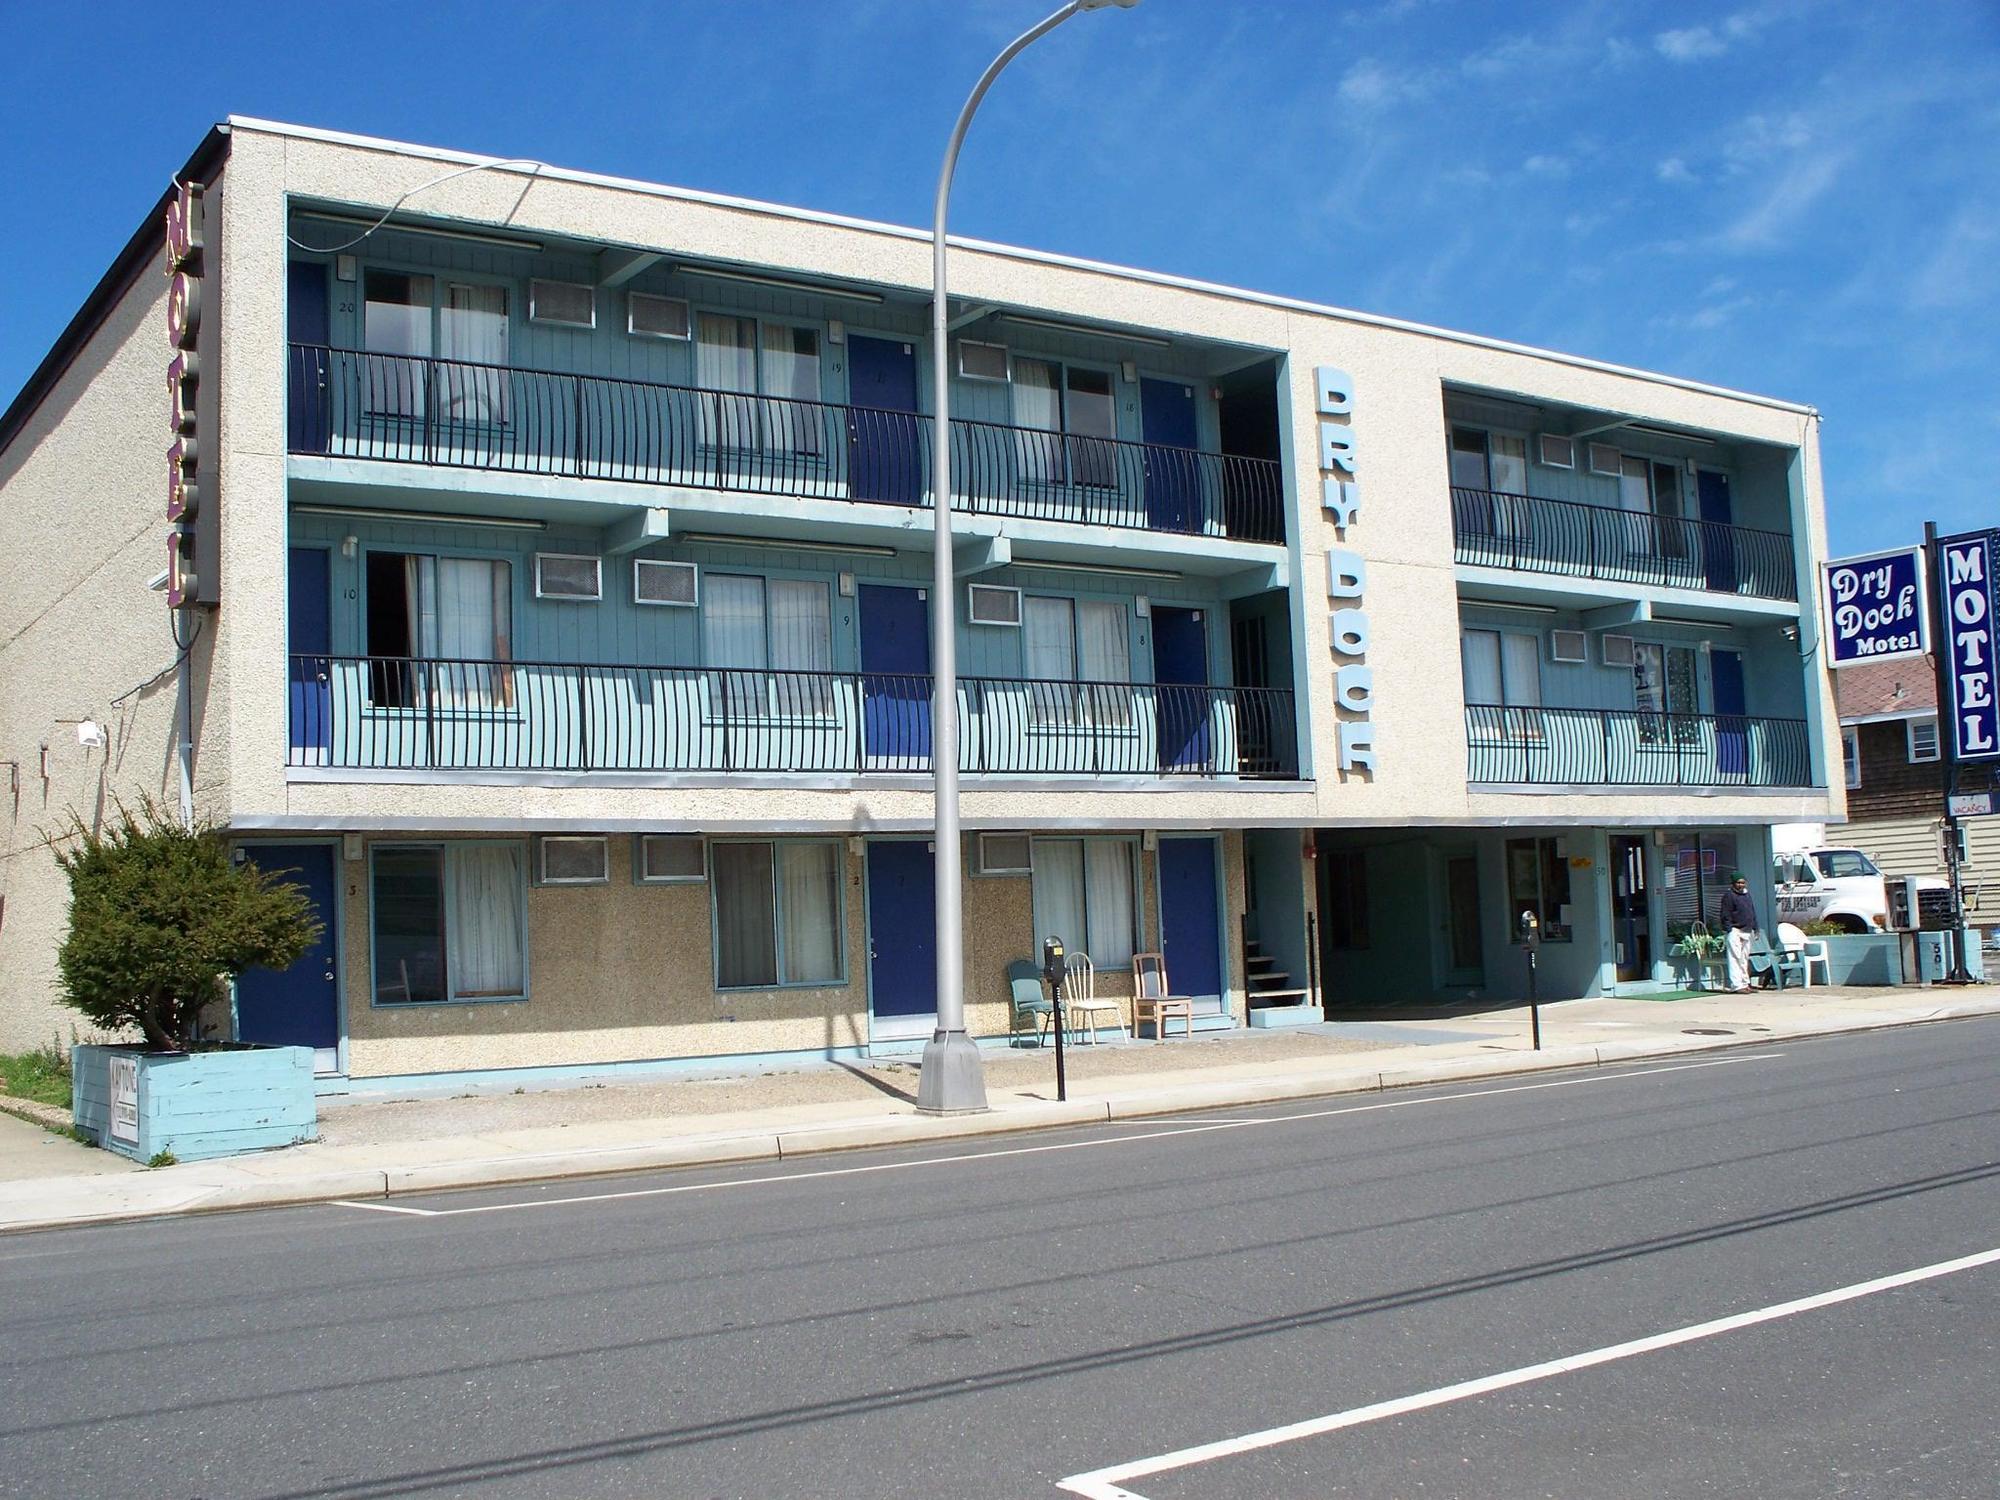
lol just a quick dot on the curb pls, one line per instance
(49, 1116)
(902, 1130)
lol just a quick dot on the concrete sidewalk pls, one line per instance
(376, 1148)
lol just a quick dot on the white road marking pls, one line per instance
(1108, 1484)
(1094, 1143)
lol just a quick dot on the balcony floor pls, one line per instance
(1559, 591)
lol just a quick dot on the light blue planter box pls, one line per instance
(195, 1104)
(1865, 958)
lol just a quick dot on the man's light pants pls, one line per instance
(1739, 958)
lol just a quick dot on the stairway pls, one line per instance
(1267, 983)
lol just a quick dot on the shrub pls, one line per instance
(159, 919)
(1822, 928)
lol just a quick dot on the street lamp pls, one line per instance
(951, 1081)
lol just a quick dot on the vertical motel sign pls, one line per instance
(1966, 603)
(190, 487)
(1874, 607)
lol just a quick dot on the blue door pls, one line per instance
(895, 678)
(309, 413)
(1718, 543)
(902, 931)
(1190, 926)
(1732, 729)
(1180, 670)
(299, 1006)
(885, 456)
(1173, 478)
(309, 670)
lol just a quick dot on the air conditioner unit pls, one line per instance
(990, 604)
(982, 361)
(1603, 459)
(574, 859)
(1555, 452)
(562, 575)
(674, 584)
(669, 859)
(650, 317)
(1569, 646)
(1005, 854)
(568, 303)
(1616, 650)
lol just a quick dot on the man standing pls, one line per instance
(1739, 915)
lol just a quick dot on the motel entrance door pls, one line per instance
(297, 1006)
(1631, 918)
(902, 940)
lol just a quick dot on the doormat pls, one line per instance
(1673, 995)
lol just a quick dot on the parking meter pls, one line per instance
(1055, 970)
(1528, 933)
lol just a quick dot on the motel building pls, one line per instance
(541, 573)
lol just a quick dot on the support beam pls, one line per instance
(616, 267)
(1601, 428)
(1258, 580)
(980, 554)
(637, 529)
(971, 315)
(1616, 616)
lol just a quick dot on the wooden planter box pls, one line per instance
(193, 1104)
(1865, 958)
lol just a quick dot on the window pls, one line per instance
(1651, 492)
(670, 859)
(1067, 642)
(395, 325)
(439, 631)
(1084, 894)
(1503, 684)
(448, 922)
(777, 914)
(774, 640)
(1346, 912)
(780, 362)
(1663, 682)
(403, 321)
(1492, 470)
(1844, 864)
(1923, 736)
(1067, 419)
(1850, 753)
(1538, 881)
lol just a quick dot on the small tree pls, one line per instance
(159, 918)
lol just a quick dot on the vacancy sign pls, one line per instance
(1875, 607)
(1966, 563)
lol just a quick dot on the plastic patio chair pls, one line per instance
(1807, 952)
(1031, 1007)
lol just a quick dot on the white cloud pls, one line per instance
(1674, 170)
(1545, 166)
(1959, 272)
(1796, 189)
(1690, 44)
(1370, 85)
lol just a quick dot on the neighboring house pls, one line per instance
(1895, 778)
(556, 560)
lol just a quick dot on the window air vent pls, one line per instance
(565, 302)
(575, 859)
(1557, 452)
(1604, 459)
(1615, 650)
(982, 361)
(650, 317)
(670, 859)
(1004, 854)
(560, 575)
(670, 583)
(1569, 645)
(989, 604)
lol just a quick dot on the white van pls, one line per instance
(1834, 885)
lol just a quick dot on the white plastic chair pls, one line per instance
(1808, 951)
(1080, 998)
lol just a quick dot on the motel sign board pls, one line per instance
(1875, 607)
(1965, 566)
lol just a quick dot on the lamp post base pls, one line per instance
(952, 1082)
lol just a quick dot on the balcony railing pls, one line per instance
(437, 411)
(405, 713)
(1523, 533)
(1626, 747)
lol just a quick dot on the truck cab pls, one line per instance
(1831, 884)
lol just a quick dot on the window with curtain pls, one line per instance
(1502, 673)
(1664, 683)
(726, 361)
(774, 641)
(1507, 462)
(1091, 419)
(396, 326)
(1078, 641)
(1048, 645)
(472, 333)
(1038, 421)
(791, 375)
(453, 615)
(1104, 657)
(447, 922)
(777, 913)
(1084, 893)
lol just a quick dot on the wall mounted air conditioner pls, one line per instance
(573, 859)
(564, 575)
(1005, 854)
(1615, 650)
(1569, 646)
(668, 859)
(1603, 459)
(1554, 452)
(568, 303)
(650, 317)
(982, 361)
(990, 604)
(676, 585)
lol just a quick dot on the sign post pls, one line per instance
(1968, 690)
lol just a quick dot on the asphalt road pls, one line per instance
(998, 1317)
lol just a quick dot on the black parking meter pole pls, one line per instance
(1534, 1001)
(1054, 971)
(1529, 934)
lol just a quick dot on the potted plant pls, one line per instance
(1698, 949)
(160, 923)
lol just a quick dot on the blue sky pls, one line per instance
(1799, 197)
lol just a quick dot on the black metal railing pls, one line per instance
(1628, 747)
(1497, 530)
(410, 713)
(407, 409)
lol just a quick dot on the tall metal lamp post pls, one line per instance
(951, 1081)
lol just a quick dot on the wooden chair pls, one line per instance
(1032, 1008)
(1081, 1003)
(1150, 1000)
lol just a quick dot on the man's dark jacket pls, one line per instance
(1739, 911)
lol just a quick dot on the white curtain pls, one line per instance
(1037, 408)
(1049, 658)
(1507, 461)
(488, 942)
(1104, 654)
(801, 643)
(745, 936)
(1521, 679)
(726, 360)
(472, 329)
(395, 321)
(1480, 662)
(1108, 901)
(809, 912)
(1059, 893)
(732, 630)
(791, 373)
(460, 612)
